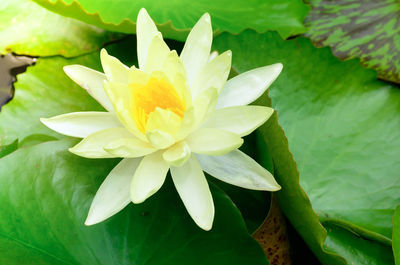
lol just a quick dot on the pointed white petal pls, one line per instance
(158, 53)
(241, 120)
(129, 147)
(247, 87)
(81, 124)
(91, 81)
(193, 189)
(114, 70)
(149, 177)
(239, 169)
(145, 32)
(210, 141)
(137, 76)
(178, 154)
(113, 194)
(214, 74)
(173, 66)
(197, 48)
(93, 145)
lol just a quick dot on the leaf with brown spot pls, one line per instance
(273, 237)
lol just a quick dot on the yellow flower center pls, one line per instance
(157, 93)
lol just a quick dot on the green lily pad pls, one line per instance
(396, 235)
(367, 29)
(343, 128)
(45, 195)
(27, 28)
(357, 250)
(175, 18)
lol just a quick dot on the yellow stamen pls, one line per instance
(158, 92)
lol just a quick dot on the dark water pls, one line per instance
(10, 67)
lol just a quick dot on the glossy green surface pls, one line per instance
(26, 28)
(343, 128)
(177, 16)
(59, 187)
(365, 29)
(357, 249)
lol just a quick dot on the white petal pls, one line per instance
(204, 105)
(238, 169)
(81, 124)
(145, 32)
(158, 53)
(91, 81)
(129, 147)
(114, 70)
(93, 145)
(113, 194)
(173, 66)
(160, 139)
(241, 120)
(178, 154)
(181, 86)
(210, 141)
(187, 125)
(197, 48)
(214, 74)
(149, 177)
(193, 189)
(247, 87)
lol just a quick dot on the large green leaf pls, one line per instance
(396, 235)
(26, 28)
(356, 249)
(343, 128)
(177, 17)
(367, 29)
(45, 195)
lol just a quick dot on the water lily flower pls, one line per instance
(172, 113)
